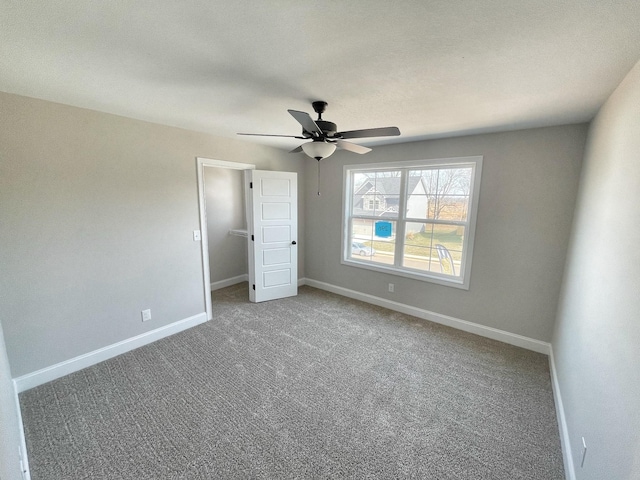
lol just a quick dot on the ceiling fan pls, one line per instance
(324, 135)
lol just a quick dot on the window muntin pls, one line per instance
(430, 207)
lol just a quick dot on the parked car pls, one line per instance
(361, 249)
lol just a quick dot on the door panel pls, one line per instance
(276, 211)
(273, 205)
(275, 187)
(276, 256)
(276, 278)
(276, 234)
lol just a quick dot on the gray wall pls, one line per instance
(596, 343)
(527, 196)
(97, 219)
(224, 196)
(9, 425)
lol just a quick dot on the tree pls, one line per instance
(445, 188)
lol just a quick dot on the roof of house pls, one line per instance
(386, 186)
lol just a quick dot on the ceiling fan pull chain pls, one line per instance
(318, 177)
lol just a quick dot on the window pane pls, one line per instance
(359, 179)
(366, 246)
(448, 243)
(454, 186)
(387, 206)
(418, 252)
(387, 191)
(439, 193)
(453, 207)
(418, 234)
(379, 205)
(451, 236)
(376, 193)
(362, 229)
(388, 183)
(422, 191)
(433, 248)
(455, 181)
(363, 184)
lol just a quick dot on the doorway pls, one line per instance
(229, 172)
(271, 220)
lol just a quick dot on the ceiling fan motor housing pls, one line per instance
(329, 129)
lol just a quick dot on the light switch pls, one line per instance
(196, 236)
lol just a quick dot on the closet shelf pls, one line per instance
(239, 233)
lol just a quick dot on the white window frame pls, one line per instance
(462, 281)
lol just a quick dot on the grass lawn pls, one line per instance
(418, 243)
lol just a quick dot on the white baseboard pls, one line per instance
(229, 281)
(239, 279)
(39, 377)
(565, 441)
(24, 459)
(484, 331)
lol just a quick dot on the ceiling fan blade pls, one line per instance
(352, 147)
(370, 132)
(306, 121)
(296, 150)
(269, 135)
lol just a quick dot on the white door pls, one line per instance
(272, 217)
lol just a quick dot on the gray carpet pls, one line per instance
(314, 386)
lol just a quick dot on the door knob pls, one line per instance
(293, 243)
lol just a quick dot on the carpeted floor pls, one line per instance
(314, 386)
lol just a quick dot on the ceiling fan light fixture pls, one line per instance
(318, 150)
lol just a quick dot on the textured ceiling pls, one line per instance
(432, 68)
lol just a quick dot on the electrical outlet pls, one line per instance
(392, 287)
(146, 315)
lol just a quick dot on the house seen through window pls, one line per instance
(415, 219)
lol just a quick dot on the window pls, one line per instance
(371, 201)
(414, 219)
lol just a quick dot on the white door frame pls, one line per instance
(201, 163)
